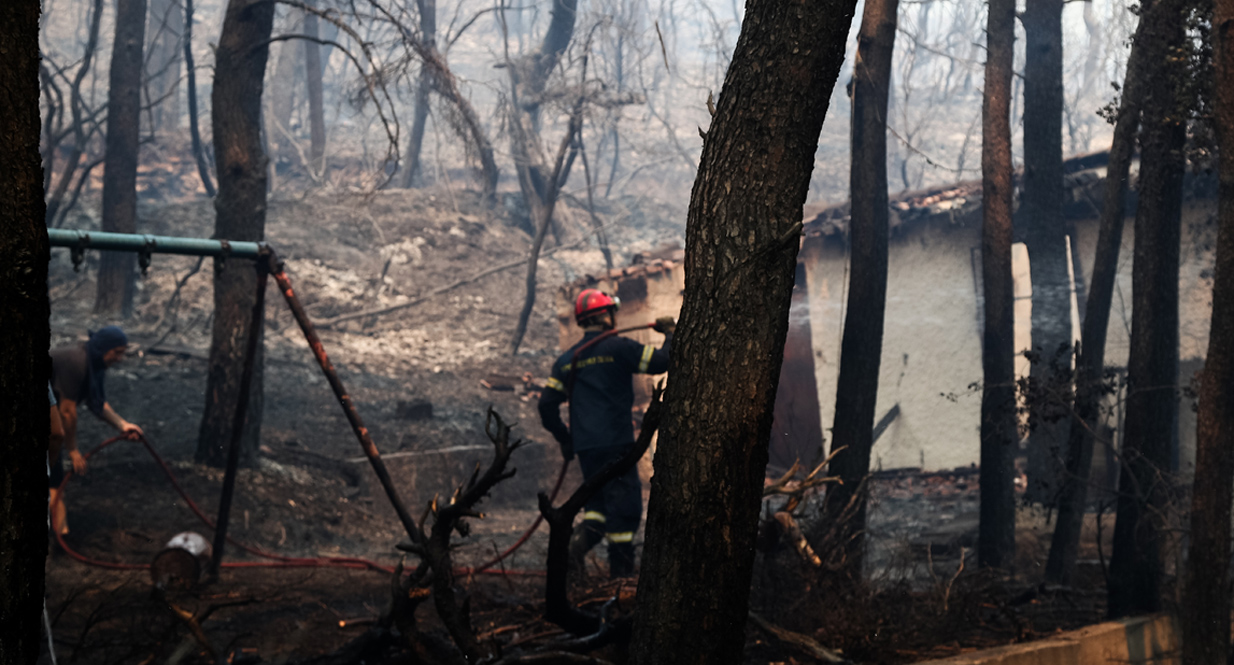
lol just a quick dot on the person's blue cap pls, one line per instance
(107, 338)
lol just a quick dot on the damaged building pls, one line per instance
(929, 399)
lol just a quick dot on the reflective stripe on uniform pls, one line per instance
(646, 359)
(620, 537)
(594, 516)
(555, 385)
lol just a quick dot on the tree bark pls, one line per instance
(742, 236)
(996, 525)
(312, 77)
(415, 140)
(1042, 214)
(24, 339)
(1090, 359)
(117, 279)
(203, 170)
(163, 37)
(240, 63)
(861, 347)
(1206, 597)
(1151, 426)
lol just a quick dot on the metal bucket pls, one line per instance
(180, 563)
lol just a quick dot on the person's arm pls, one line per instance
(68, 413)
(551, 399)
(651, 360)
(110, 416)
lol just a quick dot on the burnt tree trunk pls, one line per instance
(203, 170)
(415, 140)
(1152, 369)
(282, 89)
(861, 347)
(1090, 359)
(55, 198)
(470, 129)
(1041, 210)
(163, 37)
(996, 525)
(528, 80)
(742, 236)
(240, 62)
(1206, 596)
(312, 77)
(117, 271)
(24, 339)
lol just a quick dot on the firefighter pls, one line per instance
(599, 387)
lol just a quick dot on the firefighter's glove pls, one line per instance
(665, 325)
(567, 449)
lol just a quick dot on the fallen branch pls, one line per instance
(552, 658)
(194, 627)
(790, 486)
(788, 526)
(804, 643)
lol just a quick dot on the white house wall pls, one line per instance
(931, 359)
(931, 343)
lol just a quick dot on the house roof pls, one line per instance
(960, 203)
(663, 258)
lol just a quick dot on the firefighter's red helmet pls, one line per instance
(592, 302)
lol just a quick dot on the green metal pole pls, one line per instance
(148, 244)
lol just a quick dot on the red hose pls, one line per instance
(561, 476)
(277, 560)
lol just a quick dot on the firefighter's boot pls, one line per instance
(584, 538)
(620, 560)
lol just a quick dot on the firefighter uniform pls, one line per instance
(599, 388)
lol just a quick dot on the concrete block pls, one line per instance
(1144, 640)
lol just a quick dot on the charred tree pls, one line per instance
(861, 347)
(415, 140)
(742, 237)
(528, 82)
(163, 48)
(1151, 426)
(1041, 210)
(77, 108)
(24, 339)
(542, 224)
(240, 207)
(117, 275)
(282, 88)
(312, 77)
(1206, 599)
(1090, 357)
(199, 155)
(996, 526)
(442, 81)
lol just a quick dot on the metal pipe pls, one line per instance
(148, 244)
(237, 423)
(353, 416)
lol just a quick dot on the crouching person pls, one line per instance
(78, 373)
